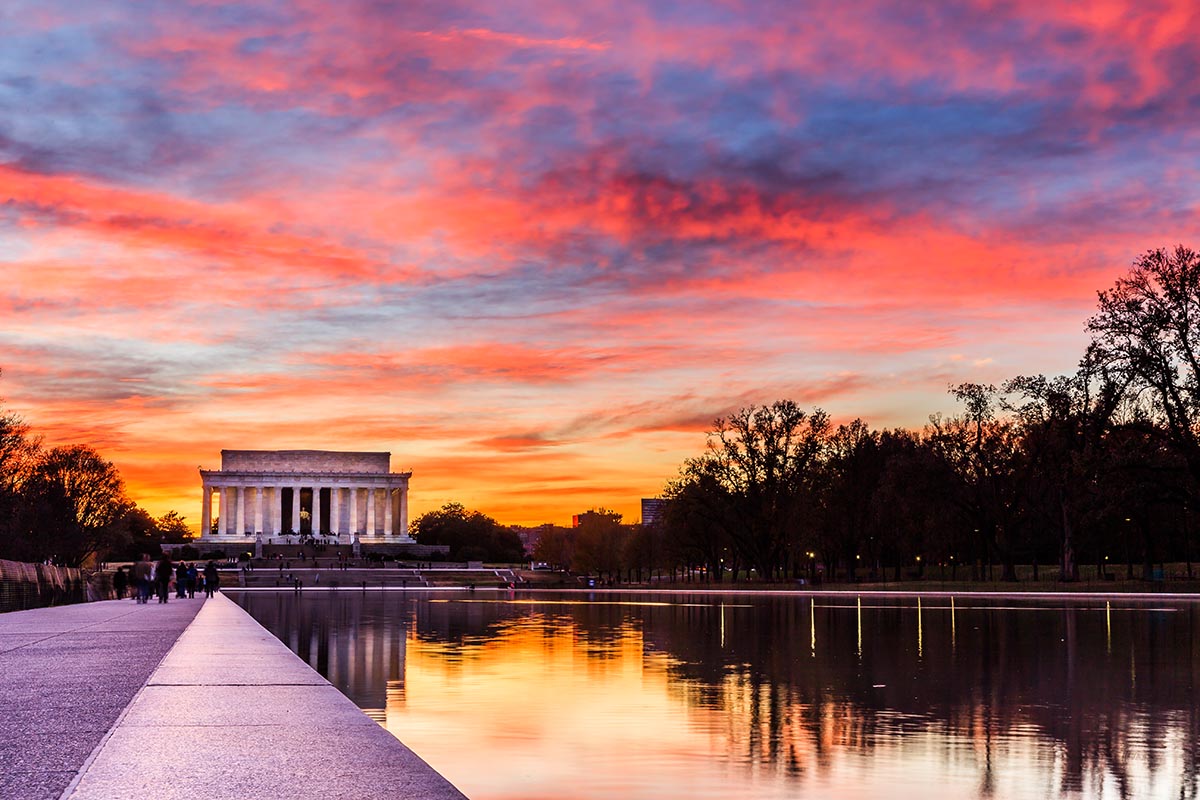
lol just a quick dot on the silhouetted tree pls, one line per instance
(471, 535)
(600, 543)
(173, 527)
(983, 452)
(17, 453)
(73, 506)
(556, 547)
(909, 511)
(143, 535)
(643, 550)
(854, 467)
(1064, 422)
(698, 519)
(1147, 331)
(766, 459)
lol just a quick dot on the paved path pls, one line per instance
(232, 713)
(66, 674)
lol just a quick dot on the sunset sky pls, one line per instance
(534, 249)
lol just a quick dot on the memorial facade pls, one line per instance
(277, 495)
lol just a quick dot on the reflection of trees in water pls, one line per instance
(990, 679)
(459, 629)
(1106, 694)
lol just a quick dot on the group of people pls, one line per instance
(146, 577)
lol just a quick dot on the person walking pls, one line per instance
(119, 583)
(192, 576)
(181, 581)
(163, 575)
(143, 575)
(211, 579)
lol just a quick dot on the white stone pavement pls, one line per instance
(232, 713)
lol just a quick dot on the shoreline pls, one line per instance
(938, 593)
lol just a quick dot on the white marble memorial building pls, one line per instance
(274, 494)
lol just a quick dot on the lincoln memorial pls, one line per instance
(281, 493)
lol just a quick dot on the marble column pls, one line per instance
(403, 510)
(316, 511)
(260, 500)
(388, 497)
(352, 496)
(371, 526)
(296, 510)
(335, 511)
(230, 525)
(206, 512)
(240, 530)
(277, 510)
(222, 511)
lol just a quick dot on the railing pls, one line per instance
(25, 586)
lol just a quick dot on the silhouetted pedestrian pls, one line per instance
(192, 576)
(181, 581)
(143, 577)
(162, 575)
(212, 580)
(119, 583)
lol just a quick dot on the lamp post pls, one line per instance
(1187, 541)
(978, 561)
(1128, 551)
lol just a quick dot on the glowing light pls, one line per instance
(858, 617)
(953, 636)
(920, 632)
(812, 627)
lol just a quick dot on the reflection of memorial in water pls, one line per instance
(358, 647)
(785, 693)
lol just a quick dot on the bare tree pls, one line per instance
(766, 458)
(1064, 422)
(1147, 332)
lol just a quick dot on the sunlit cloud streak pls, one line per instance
(535, 249)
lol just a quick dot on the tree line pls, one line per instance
(67, 504)
(1098, 467)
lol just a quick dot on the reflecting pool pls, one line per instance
(749, 696)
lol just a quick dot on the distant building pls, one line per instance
(603, 513)
(652, 510)
(530, 535)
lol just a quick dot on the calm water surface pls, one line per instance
(734, 696)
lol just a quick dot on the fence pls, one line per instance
(25, 586)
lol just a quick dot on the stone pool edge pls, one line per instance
(231, 712)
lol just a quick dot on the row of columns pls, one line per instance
(380, 517)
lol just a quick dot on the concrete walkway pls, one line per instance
(66, 674)
(232, 713)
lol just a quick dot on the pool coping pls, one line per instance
(231, 712)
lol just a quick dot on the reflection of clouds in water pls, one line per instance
(521, 697)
